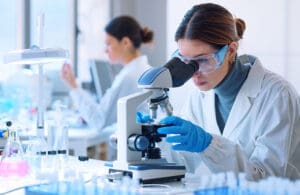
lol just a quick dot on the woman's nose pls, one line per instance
(197, 74)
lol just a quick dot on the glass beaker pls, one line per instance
(12, 161)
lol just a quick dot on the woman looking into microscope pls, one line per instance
(242, 117)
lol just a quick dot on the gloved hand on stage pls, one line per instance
(143, 118)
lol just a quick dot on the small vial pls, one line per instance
(83, 161)
(41, 160)
(62, 159)
(52, 161)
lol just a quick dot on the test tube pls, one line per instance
(63, 147)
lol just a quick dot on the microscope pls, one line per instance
(138, 155)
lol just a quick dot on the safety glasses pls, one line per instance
(207, 63)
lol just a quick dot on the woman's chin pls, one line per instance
(203, 86)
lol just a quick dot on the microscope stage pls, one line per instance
(151, 173)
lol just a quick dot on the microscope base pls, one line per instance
(150, 173)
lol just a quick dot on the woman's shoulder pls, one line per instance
(273, 85)
(276, 83)
(263, 80)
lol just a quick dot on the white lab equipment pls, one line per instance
(138, 156)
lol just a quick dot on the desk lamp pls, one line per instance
(40, 56)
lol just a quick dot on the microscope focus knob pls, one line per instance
(138, 142)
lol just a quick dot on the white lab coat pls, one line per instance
(262, 134)
(103, 114)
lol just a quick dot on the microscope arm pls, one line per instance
(127, 125)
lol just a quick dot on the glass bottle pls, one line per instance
(12, 161)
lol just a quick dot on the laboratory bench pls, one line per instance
(88, 171)
(89, 176)
(79, 139)
(80, 136)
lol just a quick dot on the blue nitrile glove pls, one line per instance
(143, 118)
(189, 137)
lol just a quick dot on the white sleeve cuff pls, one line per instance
(215, 150)
(76, 96)
(75, 92)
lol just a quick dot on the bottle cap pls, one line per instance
(83, 158)
(8, 123)
(61, 151)
(51, 152)
(41, 153)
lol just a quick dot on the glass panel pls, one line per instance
(8, 36)
(57, 18)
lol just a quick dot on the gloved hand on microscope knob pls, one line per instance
(183, 134)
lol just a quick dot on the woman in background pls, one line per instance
(123, 39)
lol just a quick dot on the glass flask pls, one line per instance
(12, 162)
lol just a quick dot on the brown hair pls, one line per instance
(126, 26)
(210, 23)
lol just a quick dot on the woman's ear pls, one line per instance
(126, 41)
(232, 49)
(231, 52)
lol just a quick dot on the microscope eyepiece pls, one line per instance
(180, 71)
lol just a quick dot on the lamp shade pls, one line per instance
(35, 56)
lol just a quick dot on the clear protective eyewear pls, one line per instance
(207, 63)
